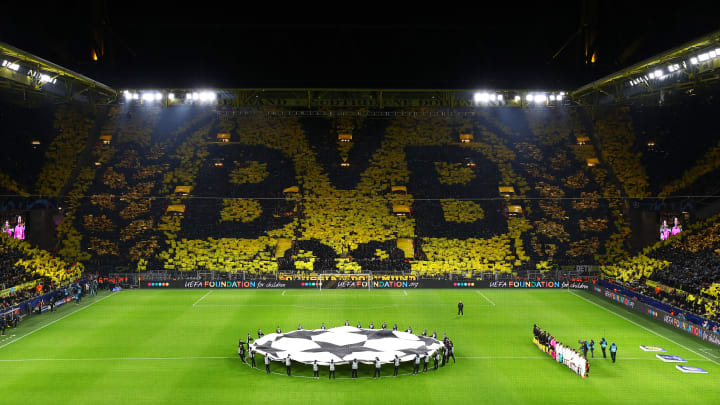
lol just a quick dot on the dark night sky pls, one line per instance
(504, 45)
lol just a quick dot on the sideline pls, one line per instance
(486, 298)
(202, 298)
(59, 319)
(643, 327)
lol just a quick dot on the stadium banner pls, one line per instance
(660, 315)
(352, 281)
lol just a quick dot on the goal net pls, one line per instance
(346, 281)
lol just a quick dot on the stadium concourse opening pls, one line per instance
(145, 226)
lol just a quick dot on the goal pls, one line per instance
(345, 281)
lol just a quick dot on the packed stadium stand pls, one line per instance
(470, 193)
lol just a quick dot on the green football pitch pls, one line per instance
(180, 346)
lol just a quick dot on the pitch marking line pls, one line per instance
(202, 298)
(57, 320)
(486, 298)
(405, 292)
(710, 352)
(283, 293)
(237, 358)
(643, 327)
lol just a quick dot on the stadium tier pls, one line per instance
(498, 191)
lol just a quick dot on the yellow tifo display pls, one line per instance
(225, 254)
(41, 263)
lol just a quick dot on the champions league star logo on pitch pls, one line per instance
(344, 344)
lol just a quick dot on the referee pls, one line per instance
(460, 308)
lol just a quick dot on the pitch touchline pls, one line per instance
(484, 296)
(202, 298)
(237, 358)
(647, 329)
(59, 319)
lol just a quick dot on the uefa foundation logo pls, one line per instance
(463, 284)
(158, 284)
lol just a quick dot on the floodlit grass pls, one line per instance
(180, 346)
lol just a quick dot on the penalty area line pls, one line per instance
(486, 298)
(57, 320)
(202, 298)
(643, 327)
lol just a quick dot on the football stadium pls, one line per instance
(168, 238)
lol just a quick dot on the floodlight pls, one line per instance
(188, 96)
(500, 97)
(562, 93)
(540, 98)
(703, 57)
(195, 96)
(477, 97)
(658, 73)
(712, 54)
(517, 99)
(136, 96)
(128, 95)
(44, 78)
(148, 97)
(717, 51)
(493, 97)
(651, 75)
(694, 60)
(12, 66)
(552, 97)
(171, 96)
(158, 96)
(529, 97)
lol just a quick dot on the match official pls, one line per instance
(460, 308)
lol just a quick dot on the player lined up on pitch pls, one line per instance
(573, 359)
(441, 356)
